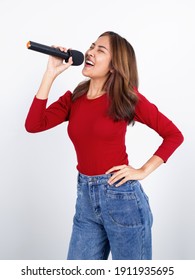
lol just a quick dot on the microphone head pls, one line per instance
(77, 57)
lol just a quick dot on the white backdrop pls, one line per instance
(38, 171)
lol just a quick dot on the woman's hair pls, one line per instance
(122, 82)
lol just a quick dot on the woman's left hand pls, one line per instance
(124, 173)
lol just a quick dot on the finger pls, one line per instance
(60, 48)
(70, 61)
(115, 168)
(124, 180)
(117, 179)
(121, 178)
(63, 49)
(118, 176)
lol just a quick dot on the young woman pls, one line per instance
(112, 210)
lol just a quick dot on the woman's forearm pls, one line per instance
(45, 86)
(152, 164)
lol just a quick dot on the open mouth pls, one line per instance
(89, 63)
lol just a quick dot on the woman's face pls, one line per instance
(97, 59)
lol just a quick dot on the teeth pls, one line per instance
(89, 62)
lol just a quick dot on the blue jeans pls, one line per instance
(109, 218)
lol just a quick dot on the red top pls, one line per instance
(98, 140)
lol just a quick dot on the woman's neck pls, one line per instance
(95, 90)
(93, 95)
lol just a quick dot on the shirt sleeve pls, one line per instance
(148, 114)
(40, 118)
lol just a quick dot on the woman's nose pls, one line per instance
(90, 52)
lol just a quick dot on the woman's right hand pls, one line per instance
(56, 65)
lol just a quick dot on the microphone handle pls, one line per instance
(48, 50)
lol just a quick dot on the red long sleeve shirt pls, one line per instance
(98, 140)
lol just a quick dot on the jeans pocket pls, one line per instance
(122, 207)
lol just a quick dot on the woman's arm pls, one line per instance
(39, 117)
(148, 114)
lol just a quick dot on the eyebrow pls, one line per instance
(100, 46)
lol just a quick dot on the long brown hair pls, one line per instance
(122, 83)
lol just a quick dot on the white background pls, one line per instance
(38, 171)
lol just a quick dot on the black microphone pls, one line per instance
(77, 56)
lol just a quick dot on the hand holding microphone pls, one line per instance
(58, 54)
(55, 64)
(77, 56)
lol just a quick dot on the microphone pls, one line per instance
(77, 56)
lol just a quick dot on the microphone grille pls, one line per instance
(77, 57)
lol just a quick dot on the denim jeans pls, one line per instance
(109, 218)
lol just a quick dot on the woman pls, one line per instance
(112, 210)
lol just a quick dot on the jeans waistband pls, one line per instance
(96, 179)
